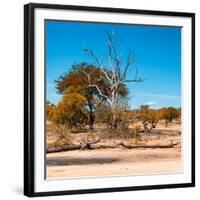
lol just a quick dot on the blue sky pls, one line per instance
(157, 51)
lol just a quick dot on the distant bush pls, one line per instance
(103, 114)
(149, 117)
(63, 135)
(130, 133)
(169, 114)
(123, 118)
(136, 132)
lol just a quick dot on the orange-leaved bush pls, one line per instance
(71, 111)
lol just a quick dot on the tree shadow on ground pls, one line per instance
(79, 161)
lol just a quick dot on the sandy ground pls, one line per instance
(113, 162)
(119, 162)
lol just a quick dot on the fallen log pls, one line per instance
(130, 146)
(93, 145)
(81, 146)
(104, 146)
(63, 148)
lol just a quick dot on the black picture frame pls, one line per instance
(29, 95)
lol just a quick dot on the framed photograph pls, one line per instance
(109, 100)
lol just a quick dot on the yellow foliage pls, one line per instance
(70, 110)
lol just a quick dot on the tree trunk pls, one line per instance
(113, 106)
(91, 115)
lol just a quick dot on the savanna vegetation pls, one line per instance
(94, 107)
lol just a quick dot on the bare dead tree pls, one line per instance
(115, 76)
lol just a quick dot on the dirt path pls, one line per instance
(113, 162)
